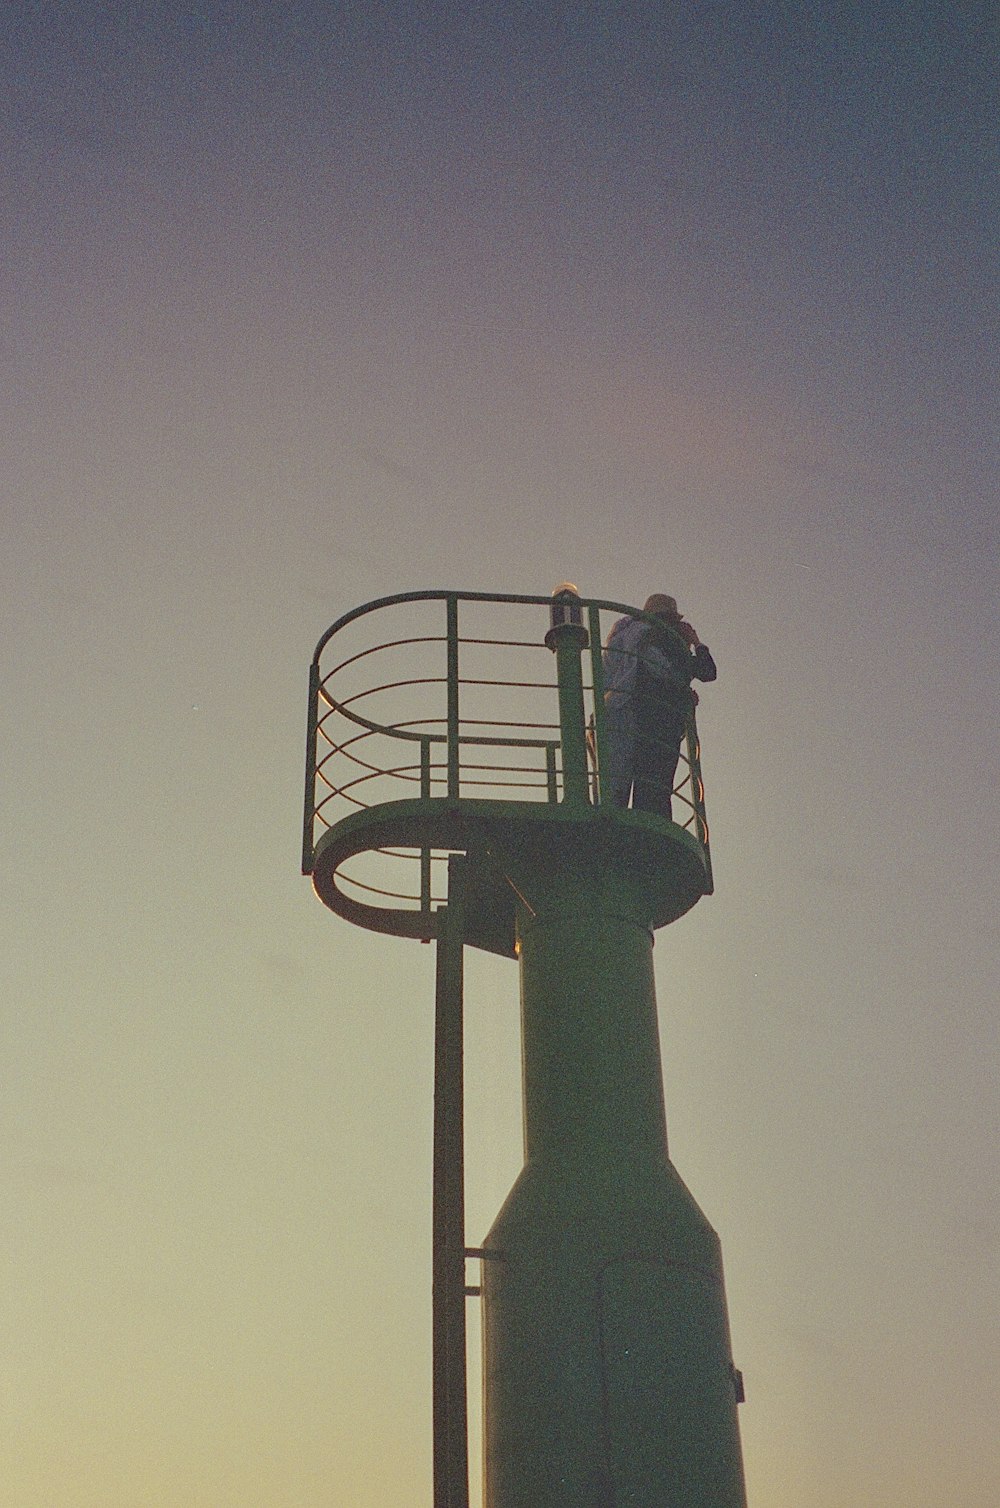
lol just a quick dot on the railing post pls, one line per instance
(452, 672)
(425, 853)
(309, 806)
(597, 679)
(567, 638)
(551, 784)
(698, 796)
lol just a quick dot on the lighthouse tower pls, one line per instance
(454, 793)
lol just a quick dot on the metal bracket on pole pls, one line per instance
(451, 1444)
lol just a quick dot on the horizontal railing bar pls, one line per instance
(506, 769)
(481, 740)
(427, 680)
(623, 609)
(507, 643)
(511, 685)
(437, 856)
(486, 741)
(394, 895)
(402, 770)
(411, 772)
(520, 785)
(401, 730)
(404, 722)
(391, 730)
(373, 727)
(389, 644)
(507, 722)
(403, 773)
(427, 722)
(516, 785)
(373, 774)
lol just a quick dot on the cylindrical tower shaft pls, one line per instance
(608, 1375)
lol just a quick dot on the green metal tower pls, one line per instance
(453, 793)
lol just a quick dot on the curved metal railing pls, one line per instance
(453, 694)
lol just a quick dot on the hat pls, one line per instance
(661, 605)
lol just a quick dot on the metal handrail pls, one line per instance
(451, 731)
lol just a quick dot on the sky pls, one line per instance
(306, 304)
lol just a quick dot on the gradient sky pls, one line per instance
(304, 304)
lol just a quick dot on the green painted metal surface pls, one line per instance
(608, 1377)
(670, 862)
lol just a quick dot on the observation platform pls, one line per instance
(442, 722)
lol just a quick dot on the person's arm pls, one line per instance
(704, 665)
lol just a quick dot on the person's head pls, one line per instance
(662, 607)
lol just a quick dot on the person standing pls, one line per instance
(648, 669)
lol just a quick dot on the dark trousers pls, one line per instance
(657, 750)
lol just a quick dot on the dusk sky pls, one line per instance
(306, 304)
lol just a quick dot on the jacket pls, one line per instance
(633, 641)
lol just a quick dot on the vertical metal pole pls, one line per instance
(597, 678)
(452, 671)
(551, 784)
(567, 640)
(451, 1448)
(698, 795)
(425, 853)
(310, 796)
